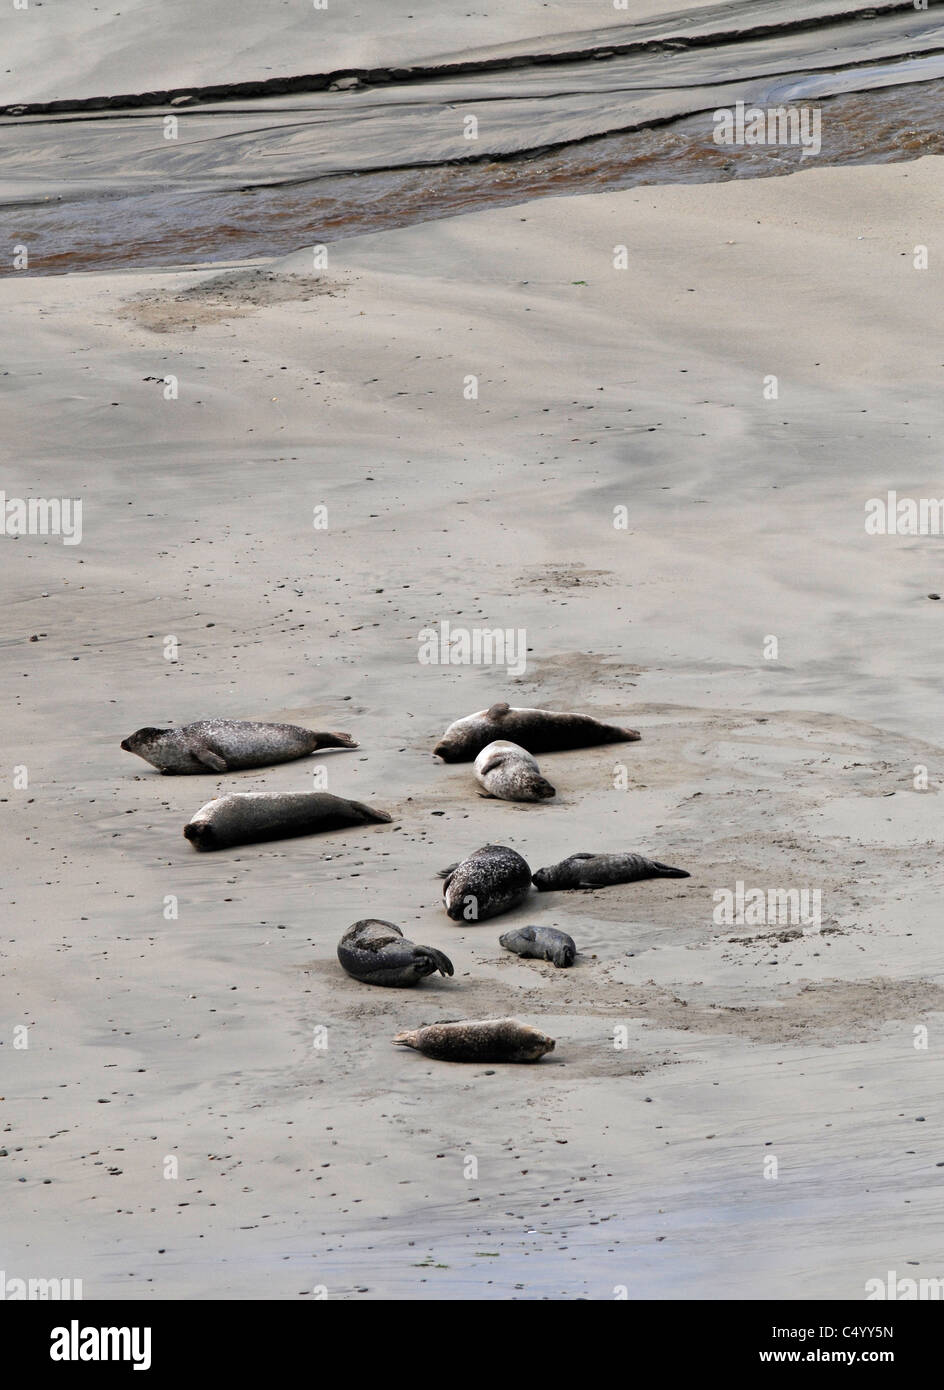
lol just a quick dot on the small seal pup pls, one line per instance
(509, 772)
(541, 943)
(485, 1040)
(537, 730)
(600, 870)
(227, 745)
(243, 817)
(491, 880)
(377, 953)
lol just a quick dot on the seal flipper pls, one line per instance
(370, 813)
(208, 757)
(666, 871)
(498, 711)
(448, 872)
(441, 962)
(333, 741)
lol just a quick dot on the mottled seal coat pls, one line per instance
(377, 953)
(542, 943)
(485, 1040)
(227, 745)
(509, 772)
(491, 880)
(599, 870)
(245, 817)
(537, 730)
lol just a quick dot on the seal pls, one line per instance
(227, 745)
(491, 880)
(244, 817)
(541, 943)
(599, 870)
(537, 730)
(480, 1040)
(509, 772)
(377, 953)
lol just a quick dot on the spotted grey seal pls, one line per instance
(244, 817)
(510, 773)
(377, 953)
(482, 1040)
(227, 745)
(491, 880)
(599, 870)
(541, 943)
(537, 730)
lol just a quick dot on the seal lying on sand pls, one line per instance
(537, 730)
(491, 880)
(377, 953)
(244, 817)
(599, 870)
(486, 1040)
(541, 943)
(509, 772)
(227, 745)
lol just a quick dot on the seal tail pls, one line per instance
(440, 962)
(334, 741)
(371, 813)
(406, 1039)
(666, 871)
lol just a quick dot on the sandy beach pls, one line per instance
(644, 427)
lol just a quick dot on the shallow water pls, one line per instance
(174, 228)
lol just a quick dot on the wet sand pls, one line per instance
(119, 230)
(601, 1168)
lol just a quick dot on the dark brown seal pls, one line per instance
(600, 870)
(537, 730)
(483, 1040)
